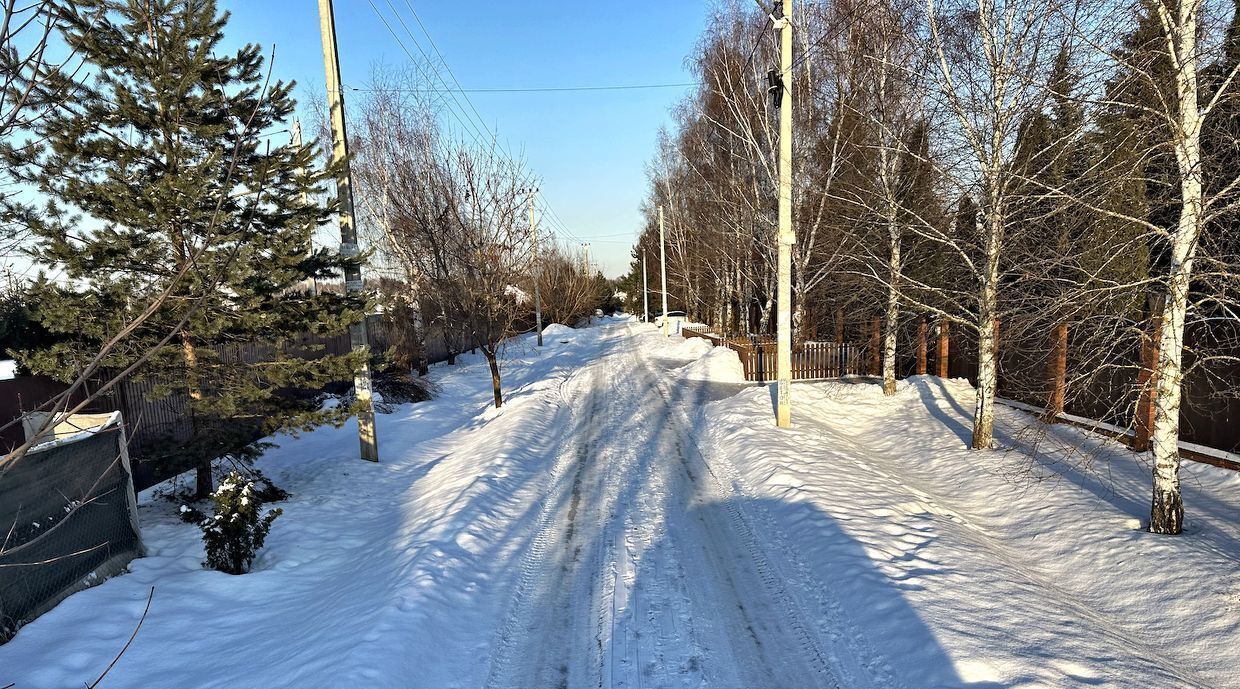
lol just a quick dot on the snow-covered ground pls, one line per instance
(632, 518)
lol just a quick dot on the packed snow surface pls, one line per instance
(619, 524)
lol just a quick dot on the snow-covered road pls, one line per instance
(632, 518)
(646, 571)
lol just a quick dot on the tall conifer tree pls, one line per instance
(165, 174)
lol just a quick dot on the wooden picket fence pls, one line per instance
(810, 360)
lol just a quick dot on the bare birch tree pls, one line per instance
(992, 58)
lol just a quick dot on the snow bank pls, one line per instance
(1026, 566)
(693, 347)
(8, 369)
(557, 330)
(718, 365)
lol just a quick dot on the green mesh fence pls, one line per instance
(68, 519)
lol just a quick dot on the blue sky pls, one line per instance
(590, 148)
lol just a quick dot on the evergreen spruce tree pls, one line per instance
(1220, 142)
(164, 175)
(1052, 160)
(1134, 148)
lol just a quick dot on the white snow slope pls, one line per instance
(619, 525)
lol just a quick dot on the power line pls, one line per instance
(452, 93)
(446, 66)
(477, 136)
(558, 221)
(535, 89)
(766, 24)
(553, 219)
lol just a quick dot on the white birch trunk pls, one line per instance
(798, 312)
(987, 361)
(893, 313)
(1167, 508)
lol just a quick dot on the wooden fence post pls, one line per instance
(876, 345)
(943, 351)
(1057, 372)
(921, 346)
(1147, 381)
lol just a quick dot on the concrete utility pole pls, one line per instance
(585, 259)
(645, 292)
(783, 347)
(537, 270)
(663, 267)
(358, 336)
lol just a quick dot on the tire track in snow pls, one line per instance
(644, 569)
(712, 490)
(506, 664)
(552, 636)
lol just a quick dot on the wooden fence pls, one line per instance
(155, 423)
(810, 360)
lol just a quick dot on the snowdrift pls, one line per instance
(717, 365)
(692, 347)
(557, 331)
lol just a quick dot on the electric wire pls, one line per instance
(537, 89)
(477, 116)
(476, 122)
(472, 130)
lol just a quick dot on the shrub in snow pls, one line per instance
(238, 528)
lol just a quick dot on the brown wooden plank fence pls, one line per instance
(810, 360)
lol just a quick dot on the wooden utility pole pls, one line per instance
(663, 267)
(783, 323)
(537, 271)
(358, 336)
(645, 292)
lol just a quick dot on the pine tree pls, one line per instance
(162, 177)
